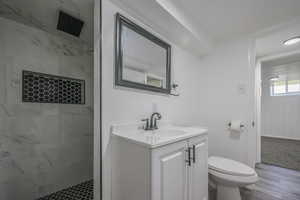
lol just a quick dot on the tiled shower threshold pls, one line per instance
(281, 152)
(82, 191)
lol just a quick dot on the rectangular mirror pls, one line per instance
(142, 59)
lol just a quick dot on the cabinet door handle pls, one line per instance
(189, 156)
(194, 154)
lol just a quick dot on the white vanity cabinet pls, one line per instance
(172, 171)
(175, 176)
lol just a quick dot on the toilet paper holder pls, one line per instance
(242, 125)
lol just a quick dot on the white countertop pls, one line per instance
(166, 134)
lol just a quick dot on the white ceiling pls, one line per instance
(272, 44)
(288, 67)
(285, 60)
(43, 14)
(202, 24)
(225, 20)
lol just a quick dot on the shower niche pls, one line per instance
(46, 88)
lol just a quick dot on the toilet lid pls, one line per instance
(230, 167)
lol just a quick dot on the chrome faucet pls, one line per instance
(153, 121)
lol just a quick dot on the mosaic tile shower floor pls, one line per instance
(83, 191)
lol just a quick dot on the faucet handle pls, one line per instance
(146, 127)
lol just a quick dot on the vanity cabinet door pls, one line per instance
(170, 172)
(198, 174)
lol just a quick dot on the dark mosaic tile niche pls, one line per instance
(46, 88)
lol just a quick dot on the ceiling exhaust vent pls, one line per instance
(69, 24)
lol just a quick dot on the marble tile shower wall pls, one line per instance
(43, 147)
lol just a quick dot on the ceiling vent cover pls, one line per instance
(69, 24)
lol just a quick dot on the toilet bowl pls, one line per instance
(228, 175)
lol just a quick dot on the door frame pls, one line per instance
(97, 175)
(258, 84)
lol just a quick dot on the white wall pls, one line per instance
(213, 91)
(280, 114)
(226, 91)
(120, 105)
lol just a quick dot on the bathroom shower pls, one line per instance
(46, 99)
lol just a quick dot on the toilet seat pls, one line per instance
(230, 167)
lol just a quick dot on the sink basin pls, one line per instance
(166, 134)
(169, 133)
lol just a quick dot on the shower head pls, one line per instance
(69, 24)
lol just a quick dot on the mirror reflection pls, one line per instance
(143, 60)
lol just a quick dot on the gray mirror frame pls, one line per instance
(119, 81)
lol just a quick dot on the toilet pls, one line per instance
(228, 175)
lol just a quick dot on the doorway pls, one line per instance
(279, 110)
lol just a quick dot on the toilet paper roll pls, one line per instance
(236, 125)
